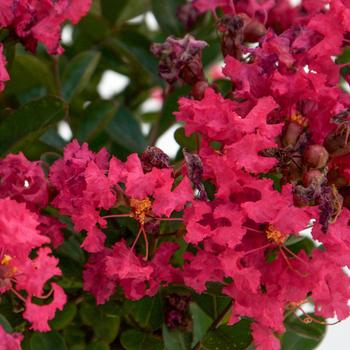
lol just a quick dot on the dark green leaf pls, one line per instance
(5, 324)
(176, 339)
(71, 248)
(47, 341)
(78, 73)
(302, 336)
(137, 340)
(95, 118)
(98, 345)
(29, 71)
(132, 9)
(228, 337)
(188, 142)
(213, 302)
(165, 13)
(111, 9)
(134, 48)
(65, 317)
(147, 312)
(104, 320)
(125, 130)
(201, 323)
(27, 123)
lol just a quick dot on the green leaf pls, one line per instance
(98, 345)
(5, 324)
(71, 248)
(29, 71)
(302, 336)
(228, 337)
(125, 131)
(78, 73)
(213, 302)
(47, 341)
(30, 121)
(65, 317)
(165, 13)
(137, 340)
(167, 118)
(95, 118)
(111, 9)
(184, 141)
(134, 48)
(176, 339)
(104, 320)
(147, 312)
(201, 323)
(131, 9)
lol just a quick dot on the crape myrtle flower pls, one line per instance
(38, 21)
(19, 271)
(10, 341)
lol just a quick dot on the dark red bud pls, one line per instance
(313, 176)
(253, 31)
(316, 156)
(293, 131)
(198, 89)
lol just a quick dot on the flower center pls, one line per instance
(6, 271)
(275, 235)
(140, 209)
(297, 118)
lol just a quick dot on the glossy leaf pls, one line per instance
(30, 121)
(137, 340)
(302, 336)
(228, 337)
(125, 131)
(201, 323)
(65, 317)
(165, 13)
(104, 320)
(47, 341)
(78, 73)
(147, 312)
(95, 118)
(176, 339)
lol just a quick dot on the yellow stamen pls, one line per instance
(299, 119)
(6, 260)
(275, 235)
(141, 208)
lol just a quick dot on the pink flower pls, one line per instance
(19, 235)
(10, 341)
(41, 21)
(39, 315)
(4, 76)
(23, 181)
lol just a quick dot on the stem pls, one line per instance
(137, 238)
(128, 215)
(146, 243)
(170, 219)
(18, 295)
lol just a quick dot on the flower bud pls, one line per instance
(293, 131)
(154, 157)
(253, 31)
(198, 89)
(313, 176)
(316, 156)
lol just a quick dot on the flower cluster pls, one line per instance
(272, 159)
(35, 21)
